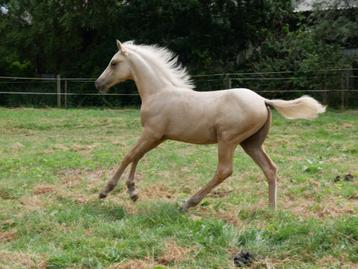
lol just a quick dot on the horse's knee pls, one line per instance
(224, 172)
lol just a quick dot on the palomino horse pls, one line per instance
(171, 109)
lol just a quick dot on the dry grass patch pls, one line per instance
(17, 146)
(60, 147)
(57, 192)
(83, 148)
(230, 216)
(71, 177)
(157, 191)
(10, 260)
(133, 264)
(43, 189)
(7, 236)
(269, 263)
(31, 203)
(333, 262)
(332, 207)
(173, 253)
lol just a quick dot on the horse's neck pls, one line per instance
(145, 78)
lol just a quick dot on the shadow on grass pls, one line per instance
(66, 211)
(107, 211)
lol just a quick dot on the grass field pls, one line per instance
(54, 162)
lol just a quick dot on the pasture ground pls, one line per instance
(54, 162)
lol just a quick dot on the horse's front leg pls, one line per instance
(130, 181)
(146, 142)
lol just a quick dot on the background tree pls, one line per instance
(308, 45)
(76, 38)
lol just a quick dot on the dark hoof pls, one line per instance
(184, 208)
(134, 197)
(102, 195)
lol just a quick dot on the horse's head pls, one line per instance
(118, 70)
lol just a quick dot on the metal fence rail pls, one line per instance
(339, 86)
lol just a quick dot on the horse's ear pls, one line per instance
(122, 48)
(119, 44)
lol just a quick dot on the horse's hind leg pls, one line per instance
(268, 167)
(223, 171)
(253, 147)
(130, 182)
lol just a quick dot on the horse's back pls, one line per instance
(204, 117)
(240, 113)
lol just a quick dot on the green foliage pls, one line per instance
(58, 36)
(76, 39)
(310, 45)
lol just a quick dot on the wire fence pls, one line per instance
(335, 87)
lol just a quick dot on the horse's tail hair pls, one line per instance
(304, 107)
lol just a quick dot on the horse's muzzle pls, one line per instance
(100, 86)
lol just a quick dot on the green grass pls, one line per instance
(54, 162)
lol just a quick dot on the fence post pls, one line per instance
(58, 78)
(227, 81)
(344, 86)
(65, 92)
(324, 87)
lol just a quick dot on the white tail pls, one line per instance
(304, 107)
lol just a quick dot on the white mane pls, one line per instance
(166, 63)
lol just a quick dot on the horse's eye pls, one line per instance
(113, 64)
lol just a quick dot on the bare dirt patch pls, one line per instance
(157, 191)
(7, 236)
(43, 189)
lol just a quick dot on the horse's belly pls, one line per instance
(196, 133)
(194, 140)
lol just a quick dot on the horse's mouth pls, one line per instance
(102, 88)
